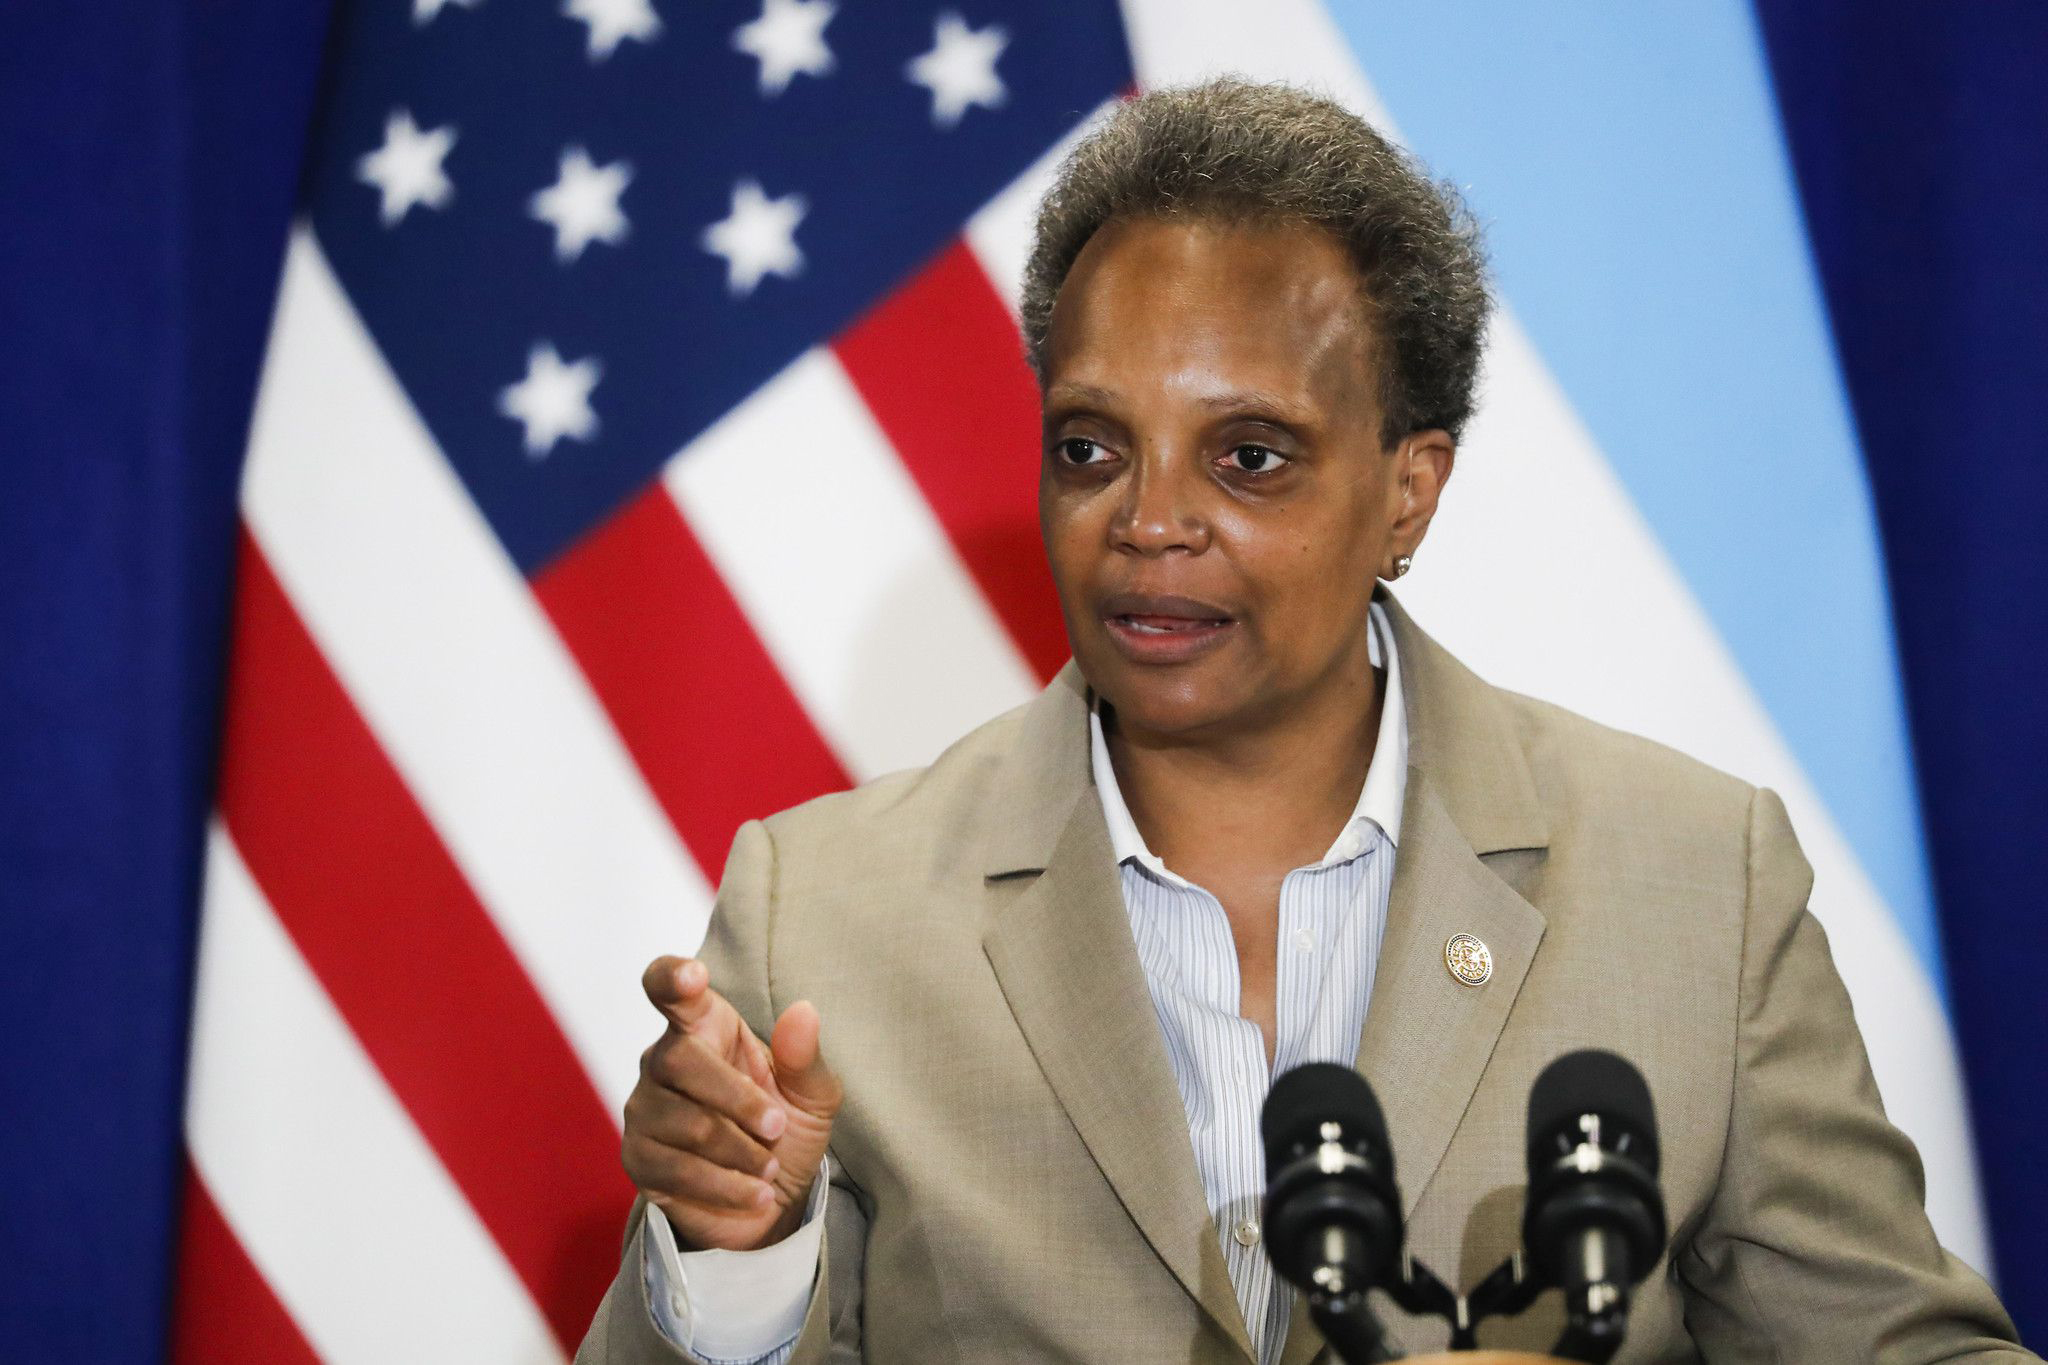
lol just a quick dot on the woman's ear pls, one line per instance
(1425, 459)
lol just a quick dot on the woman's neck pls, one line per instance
(1272, 796)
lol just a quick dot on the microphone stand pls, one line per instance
(1350, 1328)
(1338, 1308)
(1594, 1318)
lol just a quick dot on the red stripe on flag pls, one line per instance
(413, 961)
(700, 705)
(940, 364)
(225, 1310)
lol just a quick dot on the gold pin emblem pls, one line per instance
(1469, 960)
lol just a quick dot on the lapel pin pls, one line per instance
(1470, 962)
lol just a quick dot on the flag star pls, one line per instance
(583, 204)
(758, 237)
(425, 11)
(553, 400)
(613, 21)
(407, 169)
(788, 38)
(960, 70)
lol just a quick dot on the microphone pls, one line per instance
(1594, 1221)
(1333, 1213)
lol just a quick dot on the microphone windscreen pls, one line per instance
(1593, 1082)
(1307, 1097)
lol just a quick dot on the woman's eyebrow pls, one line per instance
(1082, 395)
(1248, 398)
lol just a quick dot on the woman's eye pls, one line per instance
(1255, 459)
(1079, 450)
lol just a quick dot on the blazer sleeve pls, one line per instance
(736, 951)
(1817, 1244)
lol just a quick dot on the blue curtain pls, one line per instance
(149, 154)
(1920, 138)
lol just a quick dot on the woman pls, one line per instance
(1261, 820)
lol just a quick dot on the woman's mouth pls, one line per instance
(1159, 630)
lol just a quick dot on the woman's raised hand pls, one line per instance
(724, 1133)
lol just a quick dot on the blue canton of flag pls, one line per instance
(581, 234)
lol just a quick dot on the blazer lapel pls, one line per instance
(1427, 1034)
(1062, 951)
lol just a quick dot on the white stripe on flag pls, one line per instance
(451, 662)
(836, 559)
(329, 1187)
(1597, 618)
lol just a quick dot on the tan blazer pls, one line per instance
(1013, 1178)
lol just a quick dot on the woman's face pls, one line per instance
(1215, 500)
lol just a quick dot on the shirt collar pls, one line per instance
(1379, 800)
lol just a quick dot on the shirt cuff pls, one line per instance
(733, 1305)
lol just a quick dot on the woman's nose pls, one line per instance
(1160, 511)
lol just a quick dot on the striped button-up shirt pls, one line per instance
(1332, 915)
(748, 1306)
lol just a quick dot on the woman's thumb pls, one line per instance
(800, 1070)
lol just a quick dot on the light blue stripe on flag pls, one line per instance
(1643, 220)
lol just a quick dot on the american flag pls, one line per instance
(644, 445)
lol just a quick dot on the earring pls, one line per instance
(1402, 564)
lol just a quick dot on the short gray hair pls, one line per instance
(1240, 151)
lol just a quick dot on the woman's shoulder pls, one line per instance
(940, 804)
(1646, 845)
(1586, 768)
(1500, 747)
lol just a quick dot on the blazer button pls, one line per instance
(1247, 1233)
